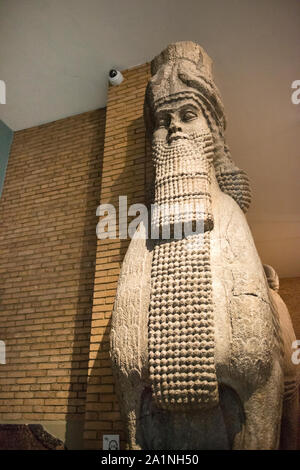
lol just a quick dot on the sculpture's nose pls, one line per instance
(174, 127)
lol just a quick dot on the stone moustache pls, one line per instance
(201, 342)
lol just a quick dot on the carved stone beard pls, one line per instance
(182, 181)
(181, 321)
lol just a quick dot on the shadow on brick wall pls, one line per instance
(103, 415)
(80, 347)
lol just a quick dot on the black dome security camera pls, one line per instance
(115, 77)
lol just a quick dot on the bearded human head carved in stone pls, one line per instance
(183, 108)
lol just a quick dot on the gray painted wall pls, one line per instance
(55, 56)
(6, 136)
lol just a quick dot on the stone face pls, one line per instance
(200, 344)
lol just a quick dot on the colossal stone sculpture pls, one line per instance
(201, 345)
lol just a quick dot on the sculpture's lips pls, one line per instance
(177, 136)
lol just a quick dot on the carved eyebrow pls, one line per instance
(189, 106)
(164, 112)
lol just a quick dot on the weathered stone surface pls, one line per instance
(200, 343)
(27, 437)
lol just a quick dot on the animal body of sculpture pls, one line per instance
(201, 345)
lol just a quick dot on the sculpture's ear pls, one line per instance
(272, 277)
(235, 183)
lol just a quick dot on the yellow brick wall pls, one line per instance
(290, 292)
(124, 172)
(47, 256)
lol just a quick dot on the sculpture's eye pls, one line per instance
(188, 115)
(162, 121)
